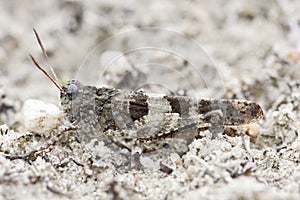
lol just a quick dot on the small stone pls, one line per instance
(100, 164)
(165, 168)
(88, 171)
(252, 129)
(147, 162)
(40, 117)
(175, 158)
(192, 171)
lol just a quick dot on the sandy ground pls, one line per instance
(212, 49)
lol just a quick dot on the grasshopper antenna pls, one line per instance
(45, 54)
(55, 79)
(40, 68)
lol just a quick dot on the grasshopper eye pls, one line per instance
(72, 89)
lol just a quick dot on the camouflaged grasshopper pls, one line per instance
(135, 115)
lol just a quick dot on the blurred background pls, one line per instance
(241, 37)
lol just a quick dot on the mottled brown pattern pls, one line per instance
(179, 105)
(234, 111)
(138, 106)
(149, 116)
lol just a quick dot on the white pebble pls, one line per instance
(147, 162)
(40, 117)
